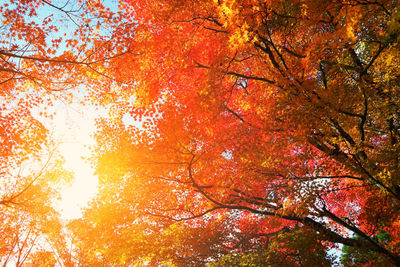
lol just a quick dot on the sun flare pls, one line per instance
(75, 129)
(84, 186)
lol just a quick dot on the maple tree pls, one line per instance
(241, 132)
(263, 123)
(48, 51)
(31, 72)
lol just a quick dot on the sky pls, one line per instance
(73, 126)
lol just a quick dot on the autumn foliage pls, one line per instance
(239, 133)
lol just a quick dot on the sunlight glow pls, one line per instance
(75, 128)
(84, 186)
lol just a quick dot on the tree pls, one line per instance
(48, 51)
(29, 221)
(267, 117)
